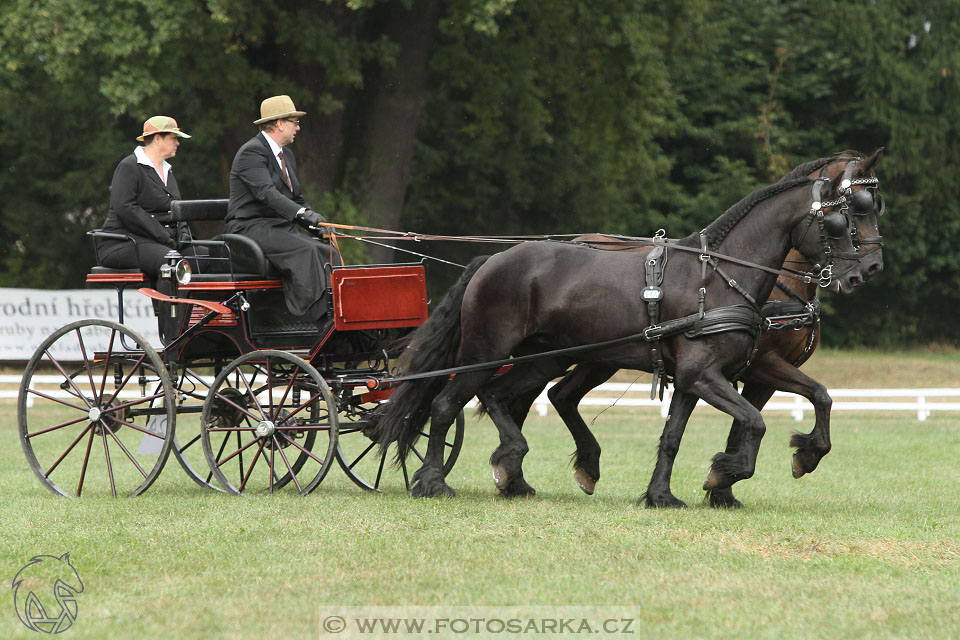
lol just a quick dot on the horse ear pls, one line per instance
(867, 165)
(835, 184)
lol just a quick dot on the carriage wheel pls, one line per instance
(269, 421)
(96, 411)
(371, 468)
(191, 388)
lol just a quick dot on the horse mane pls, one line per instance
(717, 230)
(807, 168)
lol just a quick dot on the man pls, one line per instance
(267, 205)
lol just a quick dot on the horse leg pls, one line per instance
(658, 492)
(739, 463)
(429, 479)
(758, 396)
(502, 400)
(566, 396)
(810, 447)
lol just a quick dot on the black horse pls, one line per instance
(543, 296)
(775, 366)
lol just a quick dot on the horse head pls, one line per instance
(825, 236)
(866, 205)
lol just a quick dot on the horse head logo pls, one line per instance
(46, 580)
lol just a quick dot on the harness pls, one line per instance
(746, 316)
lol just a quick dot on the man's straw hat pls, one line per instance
(160, 124)
(277, 107)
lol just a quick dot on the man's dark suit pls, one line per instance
(262, 207)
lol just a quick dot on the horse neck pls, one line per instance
(763, 237)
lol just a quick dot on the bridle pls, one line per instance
(832, 223)
(871, 201)
(836, 222)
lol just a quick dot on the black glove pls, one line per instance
(309, 219)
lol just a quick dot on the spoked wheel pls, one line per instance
(96, 411)
(191, 388)
(268, 422)
(375, 470)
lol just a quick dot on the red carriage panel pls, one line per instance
(379, 297)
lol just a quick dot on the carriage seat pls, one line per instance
(245, 255)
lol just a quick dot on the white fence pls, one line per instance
(618, 394)
(919, 401)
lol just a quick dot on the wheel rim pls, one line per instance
(372, 468)
(99, 420)
(286, 425)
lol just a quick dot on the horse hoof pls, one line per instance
(420, 490)
(529, 492)
(722, 500)
(712, 482)
(798, 471)
(500, 477)
(665, 502)
(585, 482)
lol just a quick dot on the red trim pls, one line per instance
(118, 278)
(231, 285)
(206, 304)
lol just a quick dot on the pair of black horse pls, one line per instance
(589, 306)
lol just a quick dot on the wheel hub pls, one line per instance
(94, 414)
(266, 428)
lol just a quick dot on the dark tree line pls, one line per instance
(498, 117)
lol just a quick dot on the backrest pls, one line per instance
(195, 210)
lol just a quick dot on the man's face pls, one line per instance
(288, 128)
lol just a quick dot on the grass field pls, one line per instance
(867, 546)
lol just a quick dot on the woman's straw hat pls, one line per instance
(160, 124)
(277, 107)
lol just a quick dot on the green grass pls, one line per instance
(867, 546)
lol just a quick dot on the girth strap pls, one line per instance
(737, 317)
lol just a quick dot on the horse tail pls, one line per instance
(433, 346)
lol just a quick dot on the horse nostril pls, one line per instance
(874, 269)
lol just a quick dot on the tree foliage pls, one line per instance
(499, 117)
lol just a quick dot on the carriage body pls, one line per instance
(239, 382)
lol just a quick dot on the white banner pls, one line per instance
(28, 316)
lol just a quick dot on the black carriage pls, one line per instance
(247, 396)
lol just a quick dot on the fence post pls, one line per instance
(797, 413)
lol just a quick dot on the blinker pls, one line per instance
(835, 224)
(861, 203)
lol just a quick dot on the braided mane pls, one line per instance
(807, 168)
(717, 230)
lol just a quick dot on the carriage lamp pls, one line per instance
(183, 272)
(176, 268)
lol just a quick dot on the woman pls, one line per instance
(143, 185)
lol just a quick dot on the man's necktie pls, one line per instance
(286, 174)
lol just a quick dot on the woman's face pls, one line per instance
(166, 144)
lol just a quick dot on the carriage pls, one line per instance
(246, 396)
(271, 402)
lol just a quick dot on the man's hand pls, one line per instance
(309, 219)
